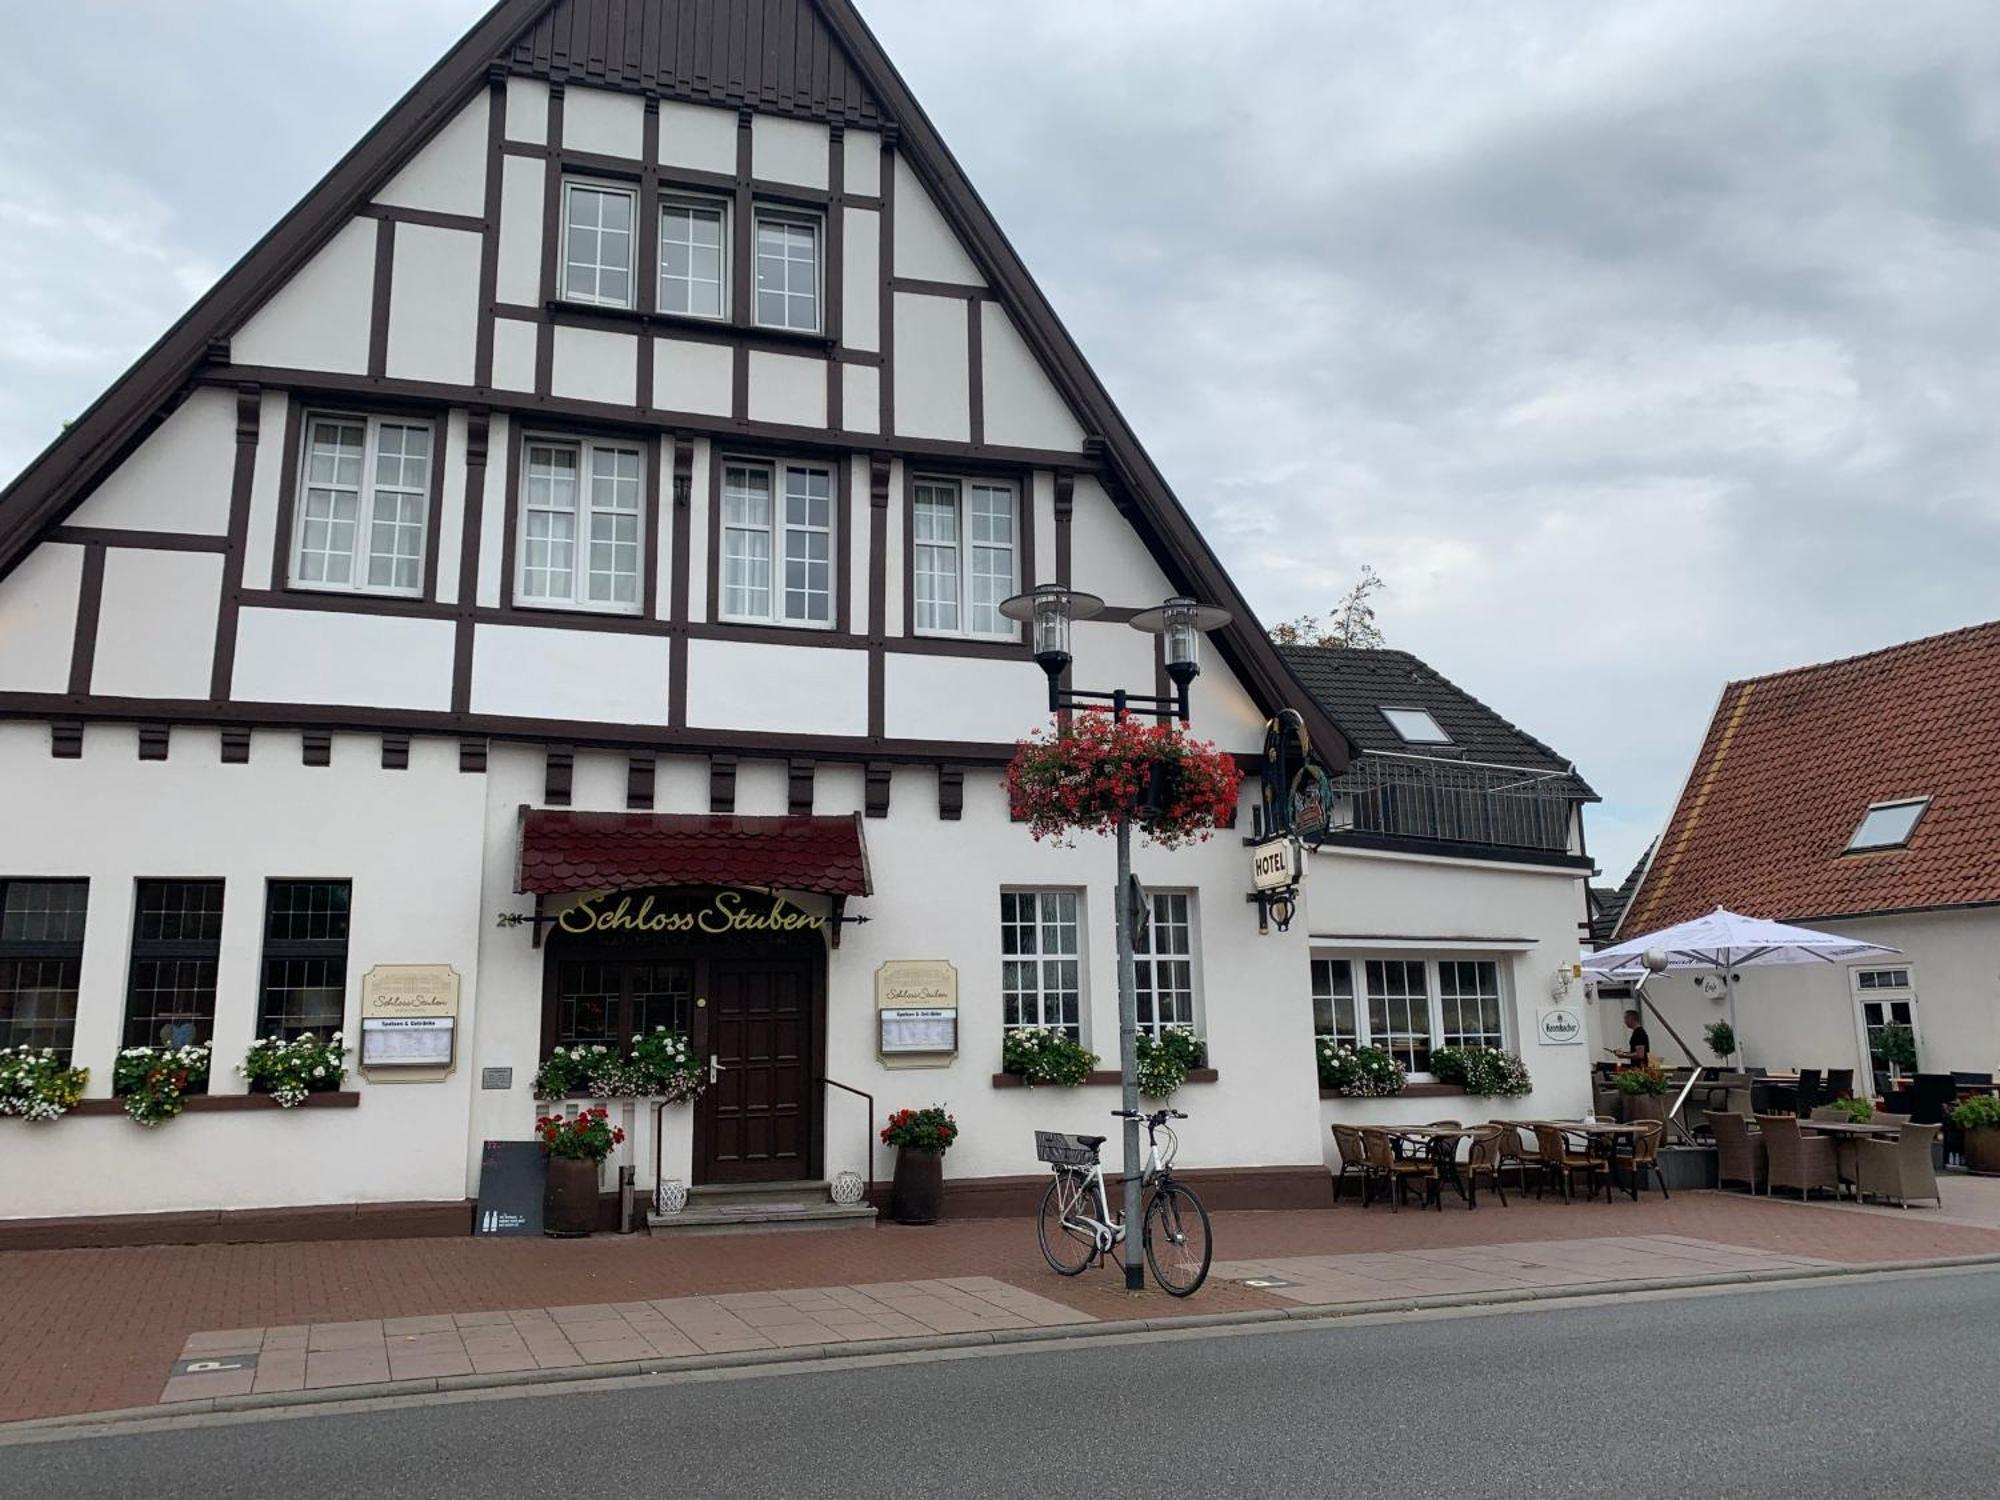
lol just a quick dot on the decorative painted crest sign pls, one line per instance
(1312, 803)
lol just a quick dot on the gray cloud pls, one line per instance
(1638, 346)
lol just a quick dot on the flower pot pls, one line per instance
(917, 1196)
(1635, 1109)
(1982, 1150)
(569, 1203)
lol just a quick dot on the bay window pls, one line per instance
(364, 500)
(777, 543)
(964, 550)
(581, 525)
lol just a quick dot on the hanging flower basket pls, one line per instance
(1083, 779)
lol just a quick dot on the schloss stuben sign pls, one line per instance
(671, 913)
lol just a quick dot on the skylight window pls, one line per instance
(1416, 726)
(1888, 825)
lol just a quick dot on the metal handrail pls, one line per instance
(870, 1154)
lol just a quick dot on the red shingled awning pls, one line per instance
(581, 851)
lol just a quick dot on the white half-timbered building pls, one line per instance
(600, 487)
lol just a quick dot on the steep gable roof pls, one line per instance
(63, 474)
(1792, 761)
(1607, 905)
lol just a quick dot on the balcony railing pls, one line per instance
(1456, 801)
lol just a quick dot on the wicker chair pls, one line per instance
(1739, 1154)
(1883, 1117)
(1900, 1169)
(1798, 1160)
(1645, 1157)
(1515, 1152)
(1347, 1140)
(1808, 1092)
(1483, 1158)
(1828, 1112)
(1396, 1172)
(1839, 1083)
(1562, 1161)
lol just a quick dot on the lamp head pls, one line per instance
(1049, 609)
(1655, 960)
(1182, 622)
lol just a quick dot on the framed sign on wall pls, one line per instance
(916, 1011)
(409, 1023)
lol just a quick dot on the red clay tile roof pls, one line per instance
(579, 851)
(1793, 760)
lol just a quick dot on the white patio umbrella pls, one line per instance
(1722, 942)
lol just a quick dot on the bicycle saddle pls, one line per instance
(1090, 1142)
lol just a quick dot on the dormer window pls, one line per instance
(1888, 825)
(1416, 726)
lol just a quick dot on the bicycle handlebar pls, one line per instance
(1153, 1119)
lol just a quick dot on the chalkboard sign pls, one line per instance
(512, 1176)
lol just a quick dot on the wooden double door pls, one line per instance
(756, 1019)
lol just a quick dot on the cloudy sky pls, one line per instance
(1638, 345)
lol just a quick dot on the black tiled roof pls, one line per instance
(1354, 686)
(1607, 906)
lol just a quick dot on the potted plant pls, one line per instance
(1979, 1118)
(1085, 777)
(662, 1064)
(1642, 1093)
(1721, 1037)
(1359, 1072)
(1857, 1111)
(154, 1081)
(1164, 1060)
(1486, 1072)
(574, 1070)
(577, 1146)
(1039, 1055)
(36, 1084)
(288, 1071)
(1897, 1046)
(921, 1138)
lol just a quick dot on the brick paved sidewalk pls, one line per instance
(88, 1330)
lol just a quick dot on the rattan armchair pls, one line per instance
(1645, 1157)
(1798, 1160)
(1739, 1153)
(1563, 1161)
(1900, 1169)
(1515, 1152)
(1395, 1171)
(1353, 1161)
(1483, 1159)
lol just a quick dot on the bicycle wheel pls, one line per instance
(1177, 1240)
(1068, 1249)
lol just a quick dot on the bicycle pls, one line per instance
(1076, 1227)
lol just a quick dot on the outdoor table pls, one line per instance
(1847, 1136)
(1602, 1138)
(1440, 1143)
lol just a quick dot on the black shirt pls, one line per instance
(1639, 1045)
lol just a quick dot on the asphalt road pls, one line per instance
(1880, 1387)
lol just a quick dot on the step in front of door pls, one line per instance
(761, 1216)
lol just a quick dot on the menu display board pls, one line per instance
(916, 1005)
(409, 1022)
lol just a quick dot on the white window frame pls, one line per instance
(586, 511)
(1358, 960)
(798, 218)
(1922, 806)
(779, 534)
(720, 207)
(1039, 959)
(1902, 994)
(962, 547)
(1146, 973)
(360, 551)
(570, 188)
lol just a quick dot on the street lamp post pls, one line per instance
(1049, 610)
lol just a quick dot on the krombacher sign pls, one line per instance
(681, 913)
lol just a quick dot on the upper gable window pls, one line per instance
(694, 260)
(964, 550)
(1888, 825)
(1416, 726)
(364, 498)
(581, 525)
(598, 224)
(787, 251)
(777, 544)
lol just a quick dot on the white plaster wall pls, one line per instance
(434, 304)
(1221, 709)
(962, 698)
(861, 399)
(603, 121)
(697, 135)
(1107, 557)
(493, 511)
(698, 486)
(785, 388)
(451, 507)
(190, 815)
(1022, 408)
(892, 596)
(260, 538)
(861, 279)
(319, 319)
(862, 168)
(38, 619)
(862, 518)
(593, 364)
(156, 627)
(514, 349)
(551, 673)
(787, 150)
(933, 390)
(692, 377)
(528, 111)
(800, 689)
(925, 246)
(179, 478)
(361, 660)
(763, 789)
(448, 175)
(522, 180)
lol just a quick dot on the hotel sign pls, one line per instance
(1277, 864)
(685, 913)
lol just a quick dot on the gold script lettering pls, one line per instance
(727, 913)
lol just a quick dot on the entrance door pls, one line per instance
(756, 1122)
(1883, 998)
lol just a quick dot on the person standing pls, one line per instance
(1638, 1048)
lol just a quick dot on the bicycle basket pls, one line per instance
(1061, 1150)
